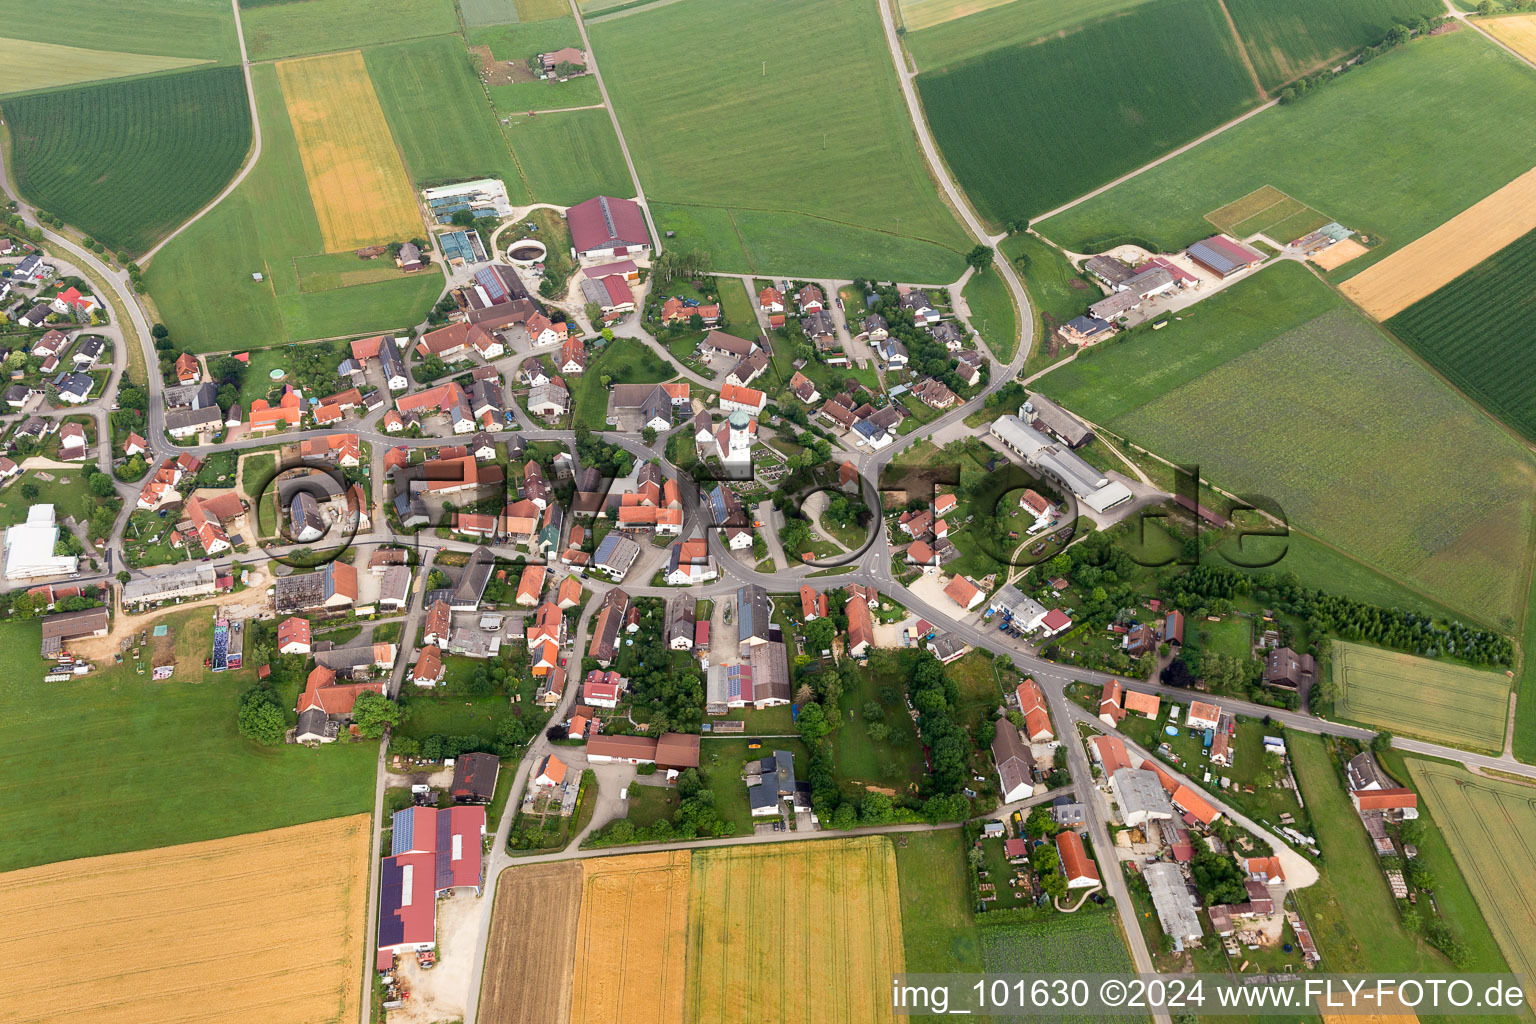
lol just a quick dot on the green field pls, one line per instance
(1288, 40)
(707, 138)
(1088, 941)
(1445, 510)
(1491, 828)
(114, 762)
(487, 12)
(295, 28)
(528, 39)
(1058, 120)
(1441, 165)
(569, 158)
(992, 313)
(1476, 331)
(1452, 704)
(28, 66)
(201, 281)
(416, 82)
(936, 923)
(202, 29)
(111, 159)
(1010, 24)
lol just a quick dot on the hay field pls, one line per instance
(266, 928)
(357, 183)
(795, 932)
(1491, 828)
(1270, 212)
(632, 940)
(1421, 697)
(1518, 33)
(1458, 245)
(29, 65)
(535, 922)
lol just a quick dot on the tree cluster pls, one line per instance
(261, 717)
(1217, 877)
(1396, 36)
(1333, 615)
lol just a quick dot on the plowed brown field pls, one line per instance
(633, 940)
(265, 929)
(1428, 263)
(361, 193)
(798, 933)
(535, 924)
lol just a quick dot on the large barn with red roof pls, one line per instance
(605, 227)
(434, 851)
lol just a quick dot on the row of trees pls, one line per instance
(1396, 36)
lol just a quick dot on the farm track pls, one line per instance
(251, 158)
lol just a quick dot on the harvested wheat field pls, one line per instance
(1517, 32)
(535, 923)
(265, 928)
(361, 193)
(1338, 254)
(794, 932)
(632, 940)
(1434, 260)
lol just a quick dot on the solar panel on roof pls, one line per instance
(487, 279)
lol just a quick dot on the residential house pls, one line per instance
(1015, 764)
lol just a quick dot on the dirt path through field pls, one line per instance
(1242, 51)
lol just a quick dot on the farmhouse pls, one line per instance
(1109, 270)
(1045, 415)
(497, 298)
(63, 627)
(1015, 764)
(1289, 670)
(612, 294)
(605, 227)
(1076, 865)
(335, 586)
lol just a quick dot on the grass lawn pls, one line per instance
(1434, 700)
(650, 804)
(437, 715)
(568, 158)
(855, 180)
(321, 26)
(415, 83)
(1395, 497)
(1232, 636)
(161, 761)
(626, 362)
(1350, 910)
(67, 499)
(992, 313)
(1440, 165)
(937, 928)
(775, 721)
(859, 758)
(201, 282)
(739, 308)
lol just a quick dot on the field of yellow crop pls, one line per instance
(794, 932)
(1432, 261)
(361, 192)
(632, 939)
(265, 928)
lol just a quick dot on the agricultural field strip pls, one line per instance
(738, 930)
(1491, 828)
(202, 907)
(537, 908)
(1449, 703)
(916, 15)
(1474, 331)
(630, 904)
(1429, 263)
(1295, 38)
(28, 65)
(1518, 32)
(359, 187)
(1255, 202)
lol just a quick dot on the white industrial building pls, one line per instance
(1059, 463)
(1140, 796)
(29, 547)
